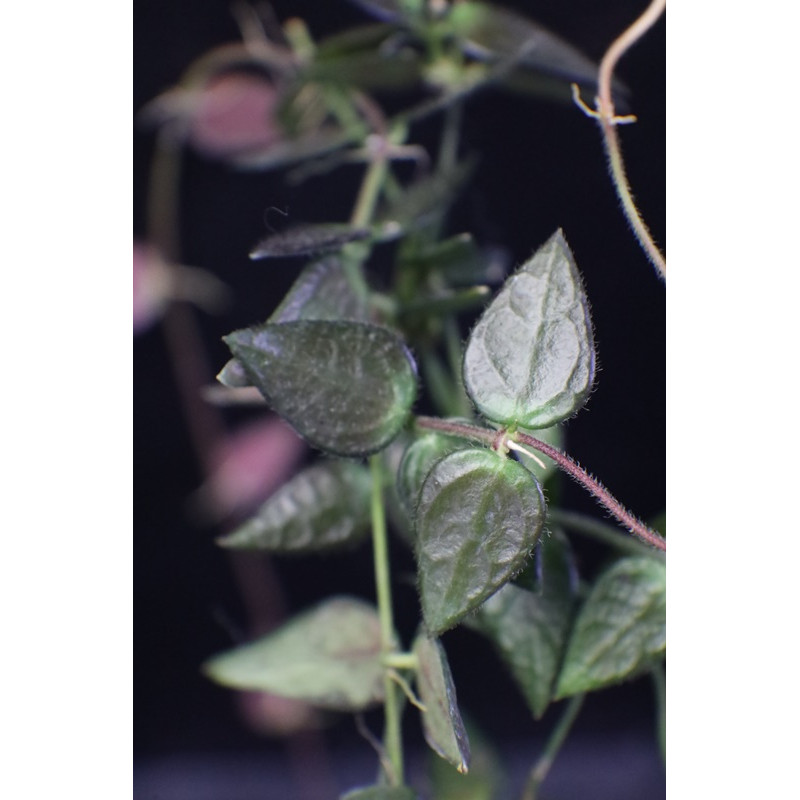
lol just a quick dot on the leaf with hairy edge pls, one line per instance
(530, 359)
(417, 461)
(441, 720)
(308, 240)
(321, 292)
(329, 656)
(529, 629)
(322, 507)
(380, 793)
(347, 387)
(620, 629)
(478, 517)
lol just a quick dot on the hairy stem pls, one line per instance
(600, 531)
(392, 741)
(554, 743)
(572, 468)
(606, 116)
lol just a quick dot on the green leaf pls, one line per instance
(323, 507)
(529, 629)
(427, 199)
(479, 516)
(308, 240)
(482, 782)
(347, 387)
(459, 260)
(233, 375)
(380, 793)
(620, 629)
(321, 292)
(329, 656)
(417, 461)
(530, 359)
(489, 32)
(441, 720)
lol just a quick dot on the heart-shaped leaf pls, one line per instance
(478, 517)
(329, 656)
(530, 359)
(530, 628)
(308, 240)
(323, 507)
(620, 628)
(441, 720)
(347, 387)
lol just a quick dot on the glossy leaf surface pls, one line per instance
(308, 240)
(620, 628)
(329, 656)
(530, 359)
(347, 387)
(324, 506)
(529, 628)
(478, 517)
(441, 720)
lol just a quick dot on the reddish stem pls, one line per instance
(572, 468)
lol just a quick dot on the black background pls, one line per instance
(542, 167)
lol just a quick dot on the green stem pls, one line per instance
(660, 686)
(600, 531)
(554, 743)
(392, 740)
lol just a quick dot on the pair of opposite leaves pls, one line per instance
(348, 387)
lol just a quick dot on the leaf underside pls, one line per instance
(329, 656)
(441, 720)
(530, 359)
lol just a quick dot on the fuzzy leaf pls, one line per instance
(347, 387)
(479, 516)
(530, 628)
(530, 359)
(329, 656)
(380, 793)
(417, 461)
(308, 240)
(620, 628)
(321, 292)
(323, 507)
(441, 720)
